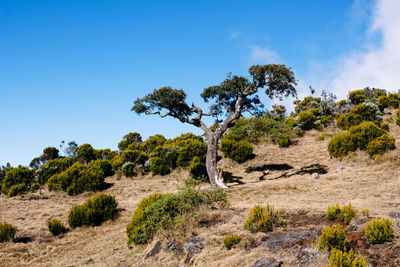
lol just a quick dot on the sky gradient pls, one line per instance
(70, 70)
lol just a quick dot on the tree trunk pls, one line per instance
(214, 174)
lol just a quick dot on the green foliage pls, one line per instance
(153, 141)
(17, 180)
(398, 117)
(130, 138)
(358, 114)
(323, 136)
(239, 151)
(379, 230)
(77, 179)
(162, 212)
(53, 167)
(357, 97)
(341, 144)
(333, 237)
(103, 165)
(365, 212)
(263, 219)
(56, 227)
(344, 214)
(284, 141)
(198, 170)
(380, 145)
(7, 232)
(339, 258)
(94, 211)
(105, 154)
(86, 153)
(157, 166)
(129, 169)
(231, 240)
(307, 120)
(117, 163)
(385, 126)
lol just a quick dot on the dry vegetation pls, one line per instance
(365, 183)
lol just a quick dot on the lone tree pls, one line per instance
(234, 96)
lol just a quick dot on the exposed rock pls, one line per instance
(292, 237)
(315, 176)
(267, 262)
(194, 245)
(308, 257)
(88, 260)
(174, 246)
(338, 170)
(155, 250)
(394, 215)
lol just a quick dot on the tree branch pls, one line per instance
(226, 106)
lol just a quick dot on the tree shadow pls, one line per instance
(23, 239)
(308, 169)
(106, 185)
(269, 167)
(230, 178)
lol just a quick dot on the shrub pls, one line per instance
(86, 153)
(198, 170)
(94, 211)
(103, 165)
(117, 162)
(344, 214)
(231, 240)
(307, 120)
(153, 141)
(263, 219)
(379, 230)
(339, 258)
(284, 141)
(131, 155)
(17, 180)
(130, 138)
(398, 117)
(341, 144)
(385, 126)
(157, 166)
(323, 136)
(129, 169)
(362, 112)
(7, 232)
(357, 97)
(333, 236)
(380, 145)
(56, 227)
(163, 212)
(239, 151)
(365, 212)
(53, 167)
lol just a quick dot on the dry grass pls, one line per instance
(366, 184)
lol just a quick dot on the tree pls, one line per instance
(49, 153)
(70, 150)
(130, 138)
(234, 96)
(86, 153)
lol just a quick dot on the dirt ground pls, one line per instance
(281, 177)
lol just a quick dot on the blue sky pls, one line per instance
(70, 70)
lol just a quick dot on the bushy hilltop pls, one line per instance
(360, 123)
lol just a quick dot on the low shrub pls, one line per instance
(117, 163)
(341, 144)
(307, 120)
(233, 148)
(357, 97)
(263, 219)
(103, 165)
(385, 126)
(17, 189)
(7, 232)
(398, 117)
(17, 181)
(56, 227)
(86, 153)
(284, 141)
(365, 212)
(162, 212)
(380, 145)
(231, 240)
(323, 136)
(198, 170)
(379, 230)
(157, 166)
(94, 211)
(344, 214)
(339, 258)
(333, 237)
(360, 113)
(129, 169)
(53, 167)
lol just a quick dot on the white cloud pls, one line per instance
(260, 55)
(378, 66)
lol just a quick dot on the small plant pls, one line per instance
(94, 211)
(339, 258)
(231, 240)
(323, 136)
(344, 214)
(7, 232)
(365, 212)
(263, 219)
(379, 230)
(284, 141)
(56, 227)
(197, 170)
(333, 236)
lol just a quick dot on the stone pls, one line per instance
(315, 175)
(338, 170)
(194, 245)
(308, 257)
(292, 237)
(89, 260)
(174, 246)
(155, 250)
(394, 215)
(267, 262)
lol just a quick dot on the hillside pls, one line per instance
(281, 177)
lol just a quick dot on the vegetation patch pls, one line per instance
(344, 214)
(263, 219)
(380, 145)
(379, 230)
(236, 149)
(7, 232)
(333, 237)
(17, 181)
(56, 227)
(339, 258)
(231, 240)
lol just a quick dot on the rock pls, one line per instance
(308, 257)
(88, 260)
(292, 237)
(155, 250)
(315, 176)
(338, 170)
(267, 262)
(194, 245)
(394, 215)
(174, 246)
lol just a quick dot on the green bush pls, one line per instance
(56, 227)
(198, 170)
(157, 166)
(379, 230)
(307, 120)
(52, 167)
(333, 236)
(17, 180)
(129, 169)
(153, 141)
(339, 258)
(385, 126)
(284, 141)
(117, 163)
(163, 212)
(7, 232)
(86, 153)
(103, 165)
(129, 139)
(398, 117)
(357, 97)
(231, 240)
(360, 113)
(263, 219)
(341, 144)
(77, 179)
(94, 211)
(344, 214)
(380, 145)
(239, 151)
